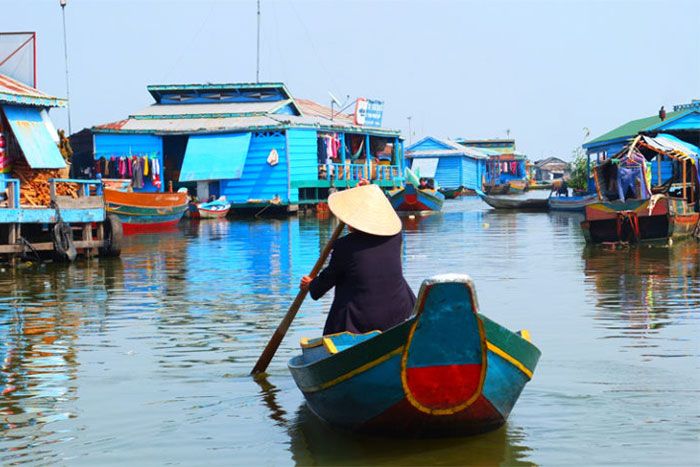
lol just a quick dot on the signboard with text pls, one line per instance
(369, 112)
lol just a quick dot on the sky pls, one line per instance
(541, 72)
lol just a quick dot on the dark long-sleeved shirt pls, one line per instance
(370, 290)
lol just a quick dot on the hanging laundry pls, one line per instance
(137, 171)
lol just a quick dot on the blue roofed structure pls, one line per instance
(251, 142)
(683, 122)
(449, 163)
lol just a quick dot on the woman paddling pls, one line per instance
(365, 266)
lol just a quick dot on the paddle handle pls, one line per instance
(281, 330)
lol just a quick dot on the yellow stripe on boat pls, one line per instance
(509, 359)
(356, 371)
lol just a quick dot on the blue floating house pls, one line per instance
(449, 163)
(683, 122)
(504, 162)
(253, 143)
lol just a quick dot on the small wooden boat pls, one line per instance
(571, 203)
(411, 199)
(517, 186)
(145, 211)
(402, 383)
(540, 185)
(496, 188)
(451, 193)
(216, 209)
(519, 203)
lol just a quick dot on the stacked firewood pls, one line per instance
(35, 189)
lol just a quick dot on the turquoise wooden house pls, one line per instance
(450, 164)
(253, 143)
(683, 122)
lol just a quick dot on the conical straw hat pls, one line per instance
(365, 208)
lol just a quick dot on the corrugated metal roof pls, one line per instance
(34, 136)
(227, 116)
(455, 150)
(309, 107)
(189, 125)
(630, 129)
(209, 109)
(12, 91)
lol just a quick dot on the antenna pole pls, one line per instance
(65, 53)
(257, 69)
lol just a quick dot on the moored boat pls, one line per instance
(518, 186)
(539, 185)
(571, 203)
(451, 193)
(399, 383)
(496, 188)
(412, 199)
(145, 211)
(515, 202)
(215, 209)
(636, 212)
(639, 220)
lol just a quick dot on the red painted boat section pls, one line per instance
(130, 229)
(481, 417)
(444, 386)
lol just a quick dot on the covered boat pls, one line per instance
(146, 211)
(412, 199)
(630, 209)
(446, 371)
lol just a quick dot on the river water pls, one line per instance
(144, 359)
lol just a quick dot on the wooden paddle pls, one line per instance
(281, 330)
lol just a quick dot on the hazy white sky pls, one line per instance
(542, 69)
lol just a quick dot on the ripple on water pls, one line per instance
(144, 359)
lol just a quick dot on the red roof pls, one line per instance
(113, 126)
(11, 86)
(315, 109)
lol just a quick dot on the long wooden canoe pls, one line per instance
(145, 211)
(514, 202)
(446, 371)
(571, 203)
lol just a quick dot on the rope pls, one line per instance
(631, 218)
(26, 245)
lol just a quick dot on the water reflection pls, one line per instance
(313, 442)
(41, 324)
(641, 289)
(153, 350)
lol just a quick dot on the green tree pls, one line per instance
(579, 170)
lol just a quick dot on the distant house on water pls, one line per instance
(449, 163)
(253, 143)
(683, 122)
(551, 168)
